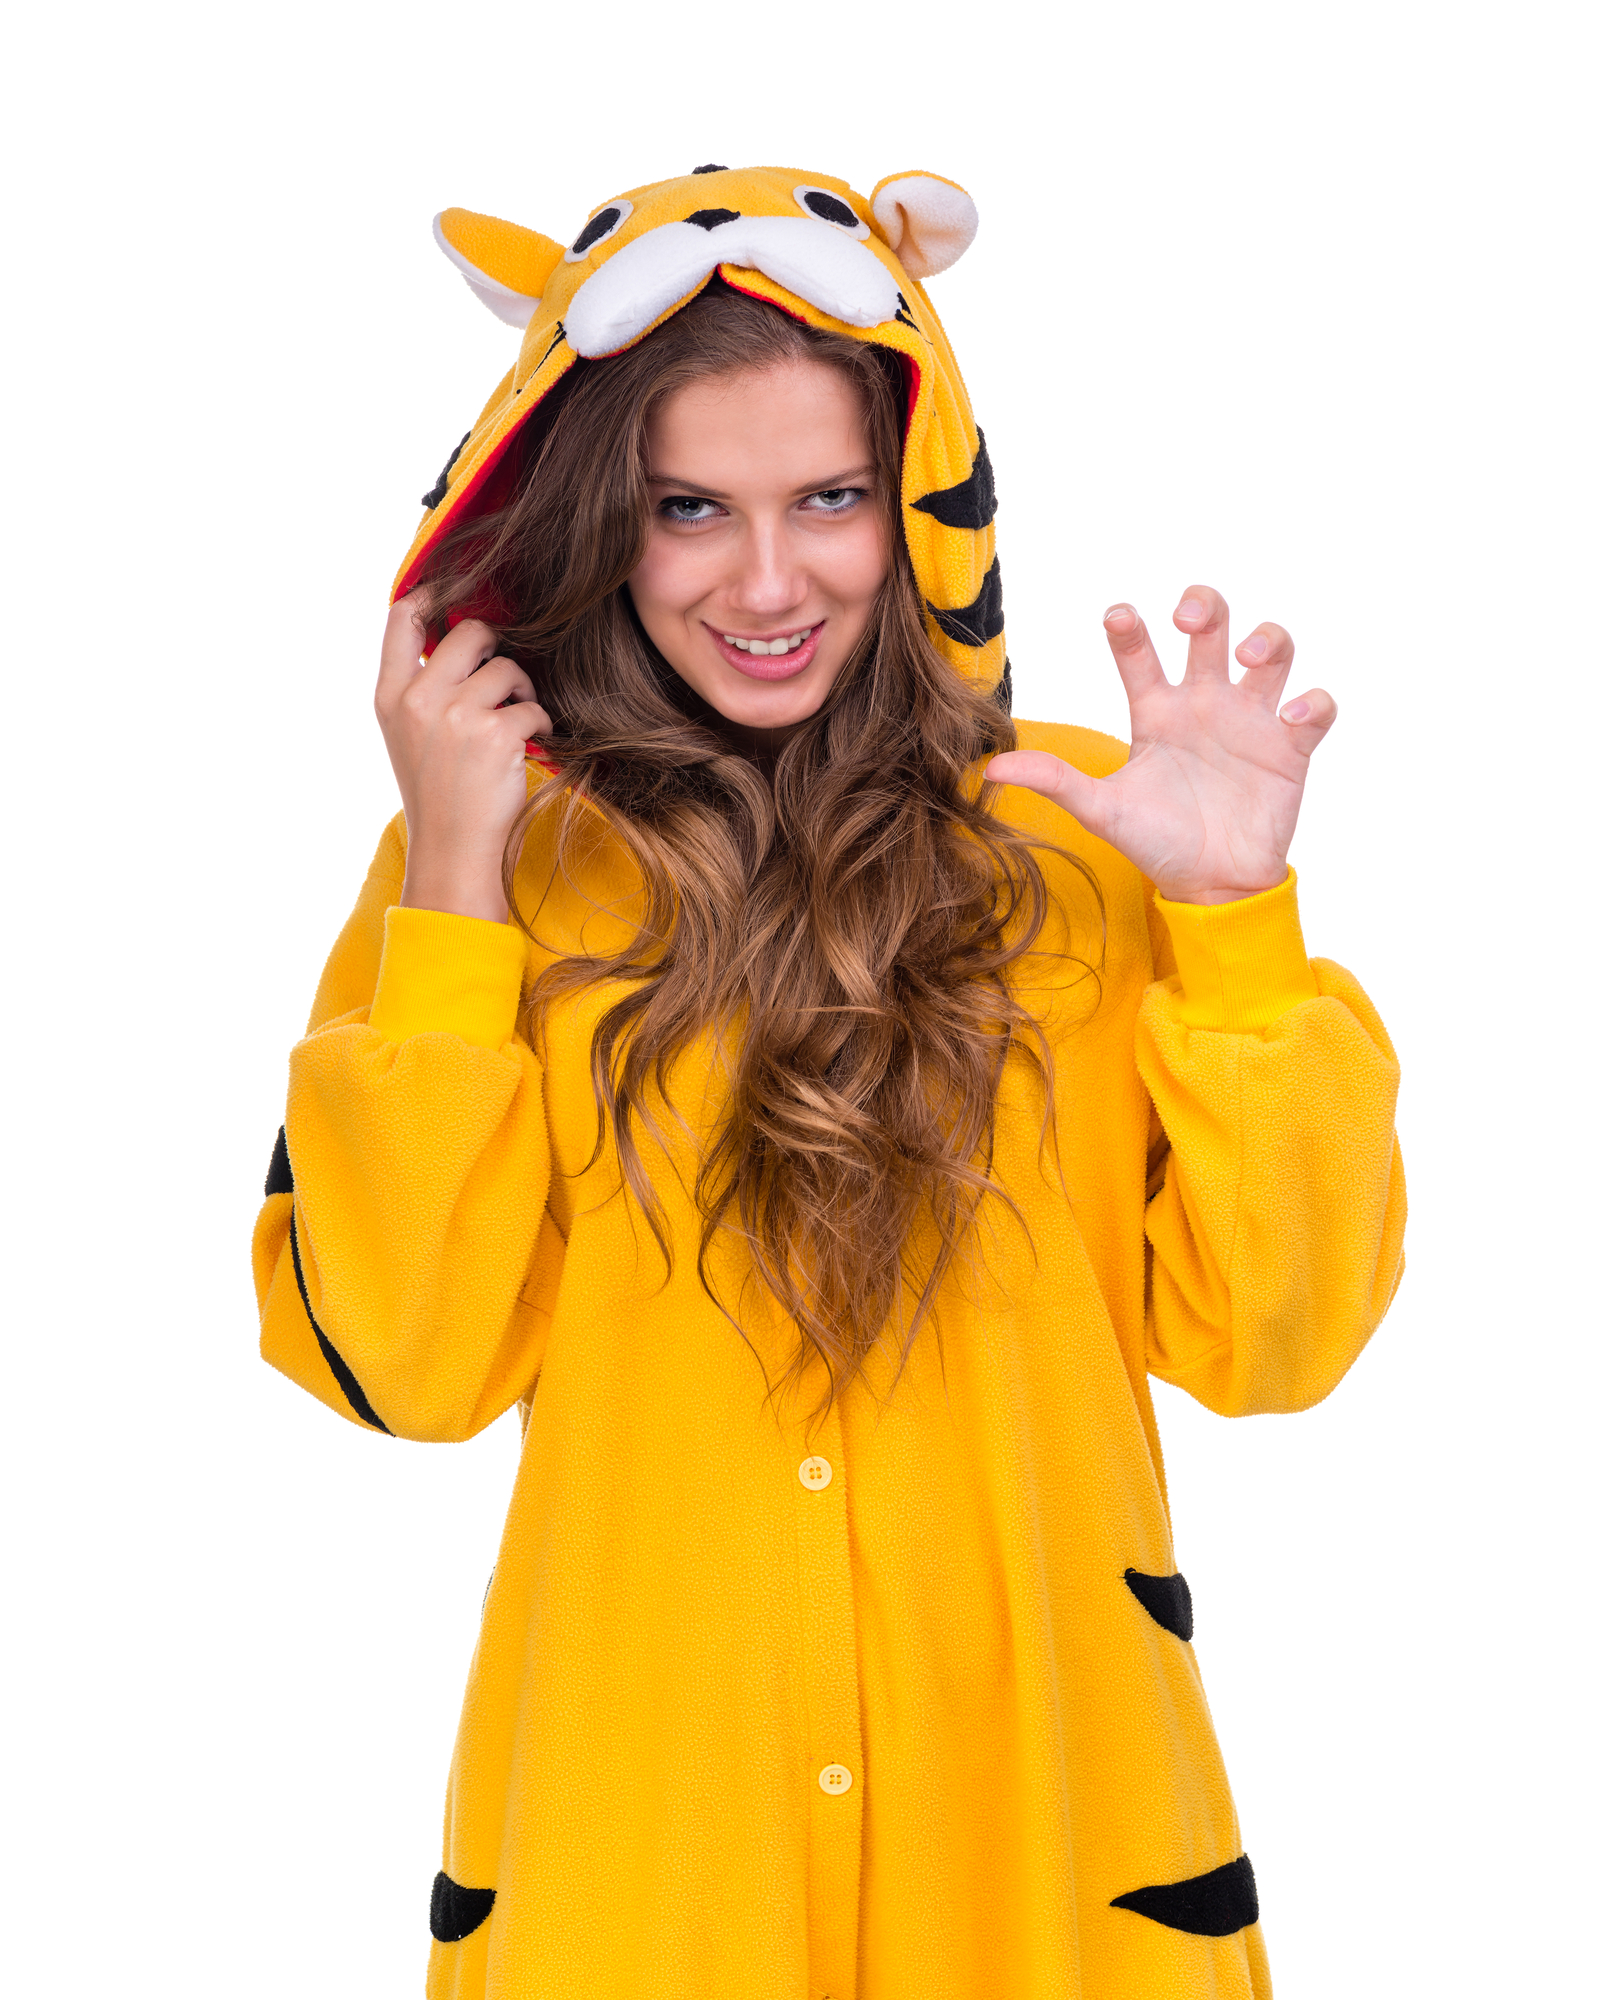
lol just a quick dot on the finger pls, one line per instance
(1203, 614)
(1085, 798)
(401, 648)
(491, 684)
(1131, 649)
(1310, 717)
(529, 718)
(1266, 655)
(464, 650)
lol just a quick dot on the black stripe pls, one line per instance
(1213, 1905)
(557, 341)
(438, 492)
(1166, 1598)
(971, 504)
(456, 1911)
(350, 1387)
(983, 619)
(280, 1179)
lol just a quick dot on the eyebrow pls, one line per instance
(695, 491)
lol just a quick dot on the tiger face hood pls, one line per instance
(804, 242)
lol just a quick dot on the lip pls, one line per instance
(777, 667)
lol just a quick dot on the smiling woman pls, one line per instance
(836, 1645)
(768, 551)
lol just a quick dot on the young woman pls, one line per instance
(818, 1102)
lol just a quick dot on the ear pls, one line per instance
(506, 267)
(929, 222)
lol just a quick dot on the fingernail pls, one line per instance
(1253, 649)
(1119, 612)
(1295, 711)
(1190, 608)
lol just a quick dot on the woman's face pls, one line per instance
(766, 547)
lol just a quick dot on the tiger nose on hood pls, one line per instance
(807, 244)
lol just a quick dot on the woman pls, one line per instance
(819, 1144)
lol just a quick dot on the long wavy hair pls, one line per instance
(851, 909)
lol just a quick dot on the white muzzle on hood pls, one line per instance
(645, 278)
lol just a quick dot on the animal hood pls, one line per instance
(806, 243)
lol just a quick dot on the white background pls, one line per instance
(1300, 300)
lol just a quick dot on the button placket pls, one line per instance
(829, 1674)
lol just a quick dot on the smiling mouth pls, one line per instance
(789, 642)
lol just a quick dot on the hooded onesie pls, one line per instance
(899, 1703)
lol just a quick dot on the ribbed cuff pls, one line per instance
(445, 974)
(1242, 964)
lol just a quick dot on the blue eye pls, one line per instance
(835, 499)
(683, 507)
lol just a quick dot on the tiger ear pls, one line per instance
(506, 267)
(929, 222)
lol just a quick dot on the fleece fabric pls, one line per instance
(809, 245)
(901, 1702)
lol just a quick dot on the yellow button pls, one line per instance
(815, 1472)
(835, 1778)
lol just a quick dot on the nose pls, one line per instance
(712, 218)
(770, 581)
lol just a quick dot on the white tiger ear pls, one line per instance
(504, 265)
(929, 222)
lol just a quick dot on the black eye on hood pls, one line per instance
(598, 230)
(831, 208)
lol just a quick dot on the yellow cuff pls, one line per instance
(1242, 964)
(445, 974)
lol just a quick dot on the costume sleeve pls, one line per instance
(1274, 1225)
(404, 1257)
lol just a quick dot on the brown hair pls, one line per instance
(856, 907)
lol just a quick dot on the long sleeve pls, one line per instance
(404, 1257)
(1275, 1226)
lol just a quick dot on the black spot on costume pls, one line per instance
(456, 1912)
(595, 231)
(1213, 1905)
(1166, 1598)
(830, 209)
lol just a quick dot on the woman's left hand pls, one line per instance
(1207, 802)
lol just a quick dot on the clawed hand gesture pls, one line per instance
(1206, 804)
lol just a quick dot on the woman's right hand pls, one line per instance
(459, 758)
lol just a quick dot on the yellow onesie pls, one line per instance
(900, 1706)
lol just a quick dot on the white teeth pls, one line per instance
(774, 647)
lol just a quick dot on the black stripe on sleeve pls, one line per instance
(350, 1386)
(280, 1179)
